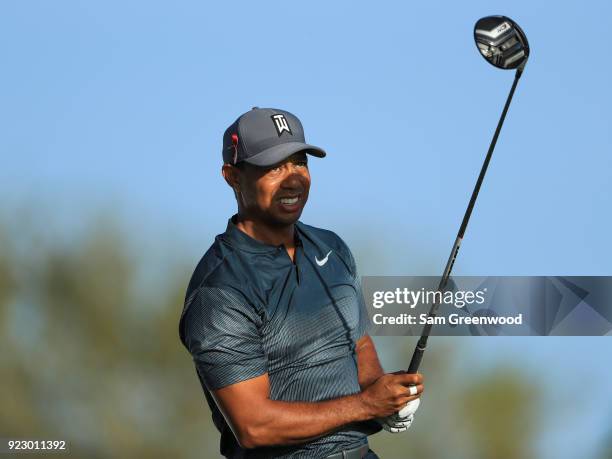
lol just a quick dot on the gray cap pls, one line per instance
(265, 136)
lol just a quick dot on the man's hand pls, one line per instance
(391, 393)
(395, 425)
(401, 421)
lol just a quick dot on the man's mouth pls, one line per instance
(290, 200)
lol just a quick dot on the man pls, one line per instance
(275, 319)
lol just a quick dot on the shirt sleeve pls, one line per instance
(363, 324)
(222, 334)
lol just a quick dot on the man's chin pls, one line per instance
(286, 218)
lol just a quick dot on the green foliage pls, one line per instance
(501, 410)
(465, 414)
(89, 358)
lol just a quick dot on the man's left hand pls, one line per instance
(401, 421)
(395, 424)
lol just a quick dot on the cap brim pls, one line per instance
(278, 153)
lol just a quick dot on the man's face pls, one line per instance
(275, 194)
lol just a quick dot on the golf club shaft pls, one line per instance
(422, 343)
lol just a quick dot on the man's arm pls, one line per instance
(258, 421)
(233, 366)
(368, 365)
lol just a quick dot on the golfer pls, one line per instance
(274, 317)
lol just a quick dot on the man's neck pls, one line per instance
(268, 234)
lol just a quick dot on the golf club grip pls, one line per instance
(415, 362)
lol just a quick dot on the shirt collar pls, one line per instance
(238, 238)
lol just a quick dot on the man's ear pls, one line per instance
(230, 174)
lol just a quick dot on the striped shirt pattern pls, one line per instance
(251, 310)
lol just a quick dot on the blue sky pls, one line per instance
(126, 102)
(122, 105)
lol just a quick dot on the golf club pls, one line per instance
(503, 44)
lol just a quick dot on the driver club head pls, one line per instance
(501, 42)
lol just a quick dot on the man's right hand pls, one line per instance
(390, 393)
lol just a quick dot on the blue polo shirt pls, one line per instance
(251, 310)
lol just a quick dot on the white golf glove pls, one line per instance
(401, 421)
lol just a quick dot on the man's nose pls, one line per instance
(293, 178)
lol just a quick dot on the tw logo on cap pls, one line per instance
(280, 123)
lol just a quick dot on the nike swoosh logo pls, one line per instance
(324, 260)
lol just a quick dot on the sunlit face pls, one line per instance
(276, 194)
